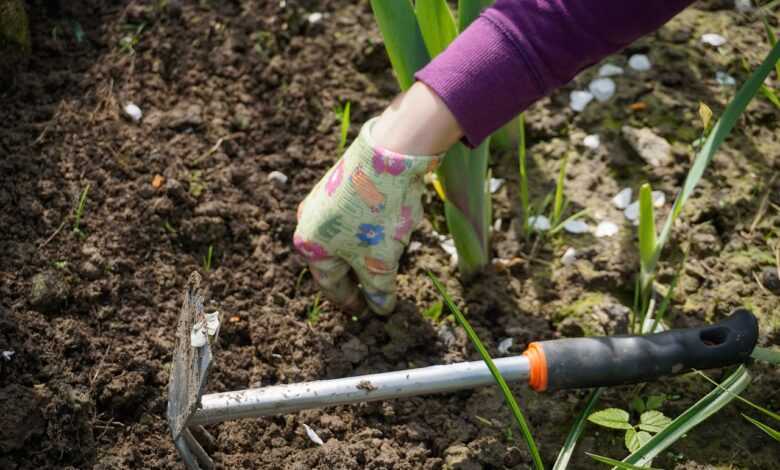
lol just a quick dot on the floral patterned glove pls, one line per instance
(359, 218)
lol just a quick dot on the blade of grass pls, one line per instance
(661, 312)
(692, 417)
(576, 431)
(744, 400)
(617, 463)
(775, 434)
(719, 132)
(772, 38)
(769, 355)
(436, 24)
(344, 115)
(508, 396)
(403, 39)
(558, 201)
(521, 157)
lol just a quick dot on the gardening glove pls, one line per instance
(358, 219)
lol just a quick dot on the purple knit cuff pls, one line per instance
(471, 77)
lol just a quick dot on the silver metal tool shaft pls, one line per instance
(281, 399)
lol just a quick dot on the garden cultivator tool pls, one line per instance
(547, 365)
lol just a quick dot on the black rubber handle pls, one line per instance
(617, 360)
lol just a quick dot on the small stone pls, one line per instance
(133, 112)
(414, 246)
(569, 257)
(49, 292)
(278, 177)
(459, 457)
(743, 6)
(724, 79)
(606, 229)
(602, 89)
(539, 223)
(632, 211)
(639, 62)
(579, 99)
(576, 226)
(713, 39)
(659, 199)
(623, 198)
(771, 280)
(498, 224)
(591, 141)
(505, 344)
(184, 116)
(354, 350)
(610, 70)
(653, 148)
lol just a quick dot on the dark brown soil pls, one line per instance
(234, 90)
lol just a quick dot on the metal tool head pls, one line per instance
(189, 372)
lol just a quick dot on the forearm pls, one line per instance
(518, 51)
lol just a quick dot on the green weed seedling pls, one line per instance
(313, 315)
(208, 258)
(79, 211)
(434, 311)
(343, 115)
(129, 41)
(636, 435)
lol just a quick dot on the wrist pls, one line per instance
(417, 122)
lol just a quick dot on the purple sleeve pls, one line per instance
(518, 51)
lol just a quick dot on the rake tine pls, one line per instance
(196, 449)
(184, 452)
(204, 437)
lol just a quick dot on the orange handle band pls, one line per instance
(537, 365)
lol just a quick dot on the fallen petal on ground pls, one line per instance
(606, 229)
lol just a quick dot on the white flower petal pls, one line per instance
(609, 70)
(639, 62)
(569, 256)
(414, 246)
(7, 355)
(495, 184)
(602, 88)
(592, 141)
(313, 435)
(659, 198)
(606, 229)
(632, 211)
(133, 112)
(277, 176)
(315, 17)
(578, 99)
(539, 223)
(505, 344)
(623, 198)
(576, 226)
(713, 39)
(743, 6)
(497, 224)
(724, 79)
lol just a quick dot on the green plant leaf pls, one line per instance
(613, 418)
(775, 434)
(403, 39)
(719, 132)
(508, 396)
(655, 401)
(772, 38)
(345, 121)
(436, 24)
(617, 463)
(559, 185)
(647, 235)
(653, 421)
(769, 355)
(638, 405)
(434, 311)
(471, 257)
(469, 10)
(635, 439)
(562, 462)
(690, 418)
(521, 158)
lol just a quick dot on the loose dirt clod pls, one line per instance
(49, 291)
